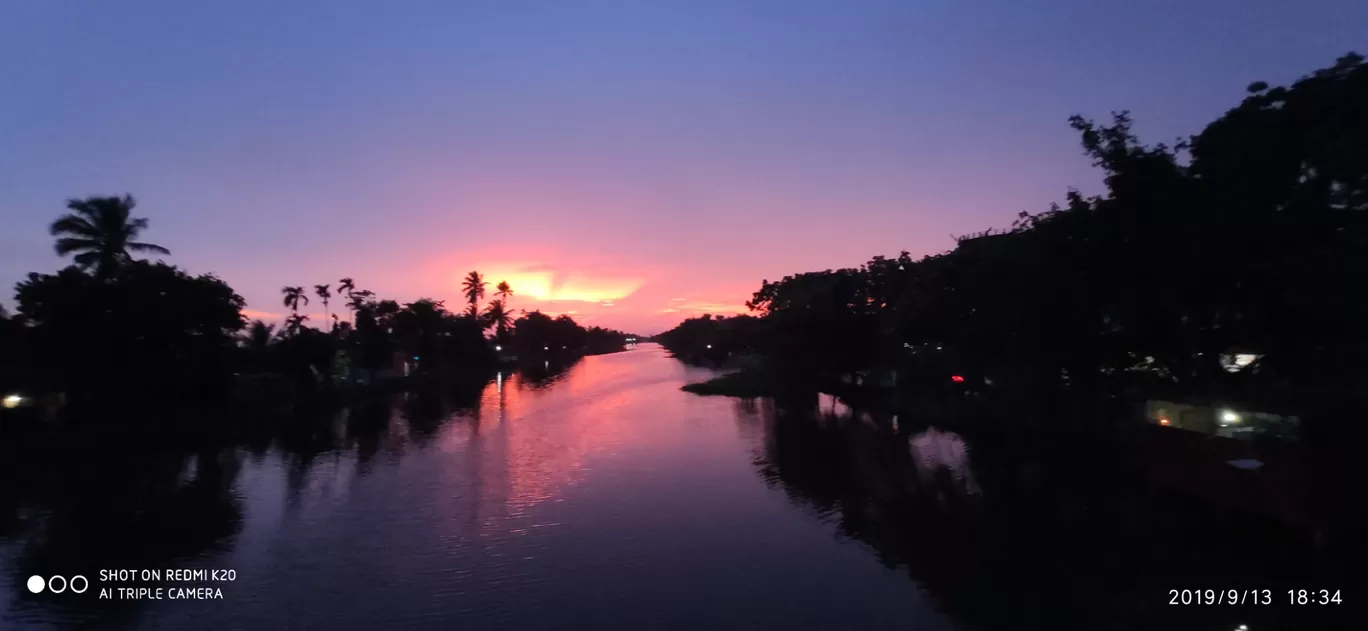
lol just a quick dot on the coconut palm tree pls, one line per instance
(323, 292)
(294, 322)
(474, 288)
(495, 315)
(293, 295)
(345, 286)
(358, 299)
(100, 232)
(503, 291)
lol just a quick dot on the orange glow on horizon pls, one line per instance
(556, 286)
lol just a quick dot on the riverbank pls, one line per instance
(1297, 480)
(981, 527)
(742, 383)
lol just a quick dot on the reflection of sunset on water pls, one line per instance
(527, 444)
(936, 451)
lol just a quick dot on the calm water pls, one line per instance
(600, 497)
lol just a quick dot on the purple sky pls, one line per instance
(632, 162)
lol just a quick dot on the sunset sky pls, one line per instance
(630, 162)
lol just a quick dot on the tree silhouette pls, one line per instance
(101, 233)
(293, 296)
(294, 322)
(148, 324)
(357, 300)
(258, 336)
(504, 292)
(495, 315)
(323, 293)
(1250, 234)
(474, 288)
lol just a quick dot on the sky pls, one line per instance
(630, 162)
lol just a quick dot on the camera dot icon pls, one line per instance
(36, 584)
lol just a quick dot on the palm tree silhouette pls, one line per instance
(497, 316)
(503, 291)
(358, 299)
(348, 286)
(292, 297)
(295, 321)
(101, 233)
(322, 292)
(474, 289)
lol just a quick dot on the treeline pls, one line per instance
(1249, 238)
(111, 327)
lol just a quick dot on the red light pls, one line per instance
(957, 379)
(1163, 421)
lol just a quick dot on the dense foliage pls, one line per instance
(1251, 236)
(144, 326)
(114, 328)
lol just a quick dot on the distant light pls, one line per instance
(710, 346)
(562, 348)
(497, 347)
(1229, 416)
(957, 379)
(415, 358)
(546, 348)
(13, 401)
(1163, 421)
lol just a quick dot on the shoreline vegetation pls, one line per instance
(1227, 266)
(745, 383)
(114, 332)
(1221, 277)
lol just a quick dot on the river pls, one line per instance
(595, 497)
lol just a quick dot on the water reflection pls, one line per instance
(597, 495)
(996, 533)
(936, 453)
(139, 500)
(120, 506)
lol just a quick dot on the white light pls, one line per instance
(710, 346)
(546, 348)
(13, 401)
(1228, 416)
(35, 582)
(498, 348)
